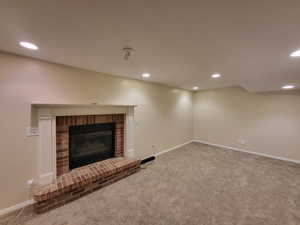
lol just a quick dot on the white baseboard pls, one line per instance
(248, 151)
(173, 148)
(16, 207)
(30, 202)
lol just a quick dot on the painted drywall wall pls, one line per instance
(163, 114)
(267, 123)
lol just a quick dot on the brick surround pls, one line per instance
(62, 135)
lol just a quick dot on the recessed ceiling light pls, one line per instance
(295, 53)
(216, 75)
(146, 75)
(195, 88)
(288, 87)
(28, 45)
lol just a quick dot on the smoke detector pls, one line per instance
(127, 51)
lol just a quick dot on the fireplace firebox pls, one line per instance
(88, 125)
(91, 143)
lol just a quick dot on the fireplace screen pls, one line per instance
(91, 143)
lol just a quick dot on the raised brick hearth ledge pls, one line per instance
(81, 181)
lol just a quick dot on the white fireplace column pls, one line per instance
(47, 153)
(129, 134)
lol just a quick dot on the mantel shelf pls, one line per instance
(45, 105)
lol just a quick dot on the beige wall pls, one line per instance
(163, 115)
(268, 122)
(166, 117)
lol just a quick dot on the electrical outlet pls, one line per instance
(29, 183)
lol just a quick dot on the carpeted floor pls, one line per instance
(195, 185)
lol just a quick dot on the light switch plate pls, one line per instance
(32, 131)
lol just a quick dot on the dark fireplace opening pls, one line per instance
(91, 143)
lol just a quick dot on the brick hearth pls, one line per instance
(82, 181)
(62, 135)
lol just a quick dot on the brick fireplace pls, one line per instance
(59, 181)
(54, 122)
(63, 124)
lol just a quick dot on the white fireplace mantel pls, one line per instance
(47, 131)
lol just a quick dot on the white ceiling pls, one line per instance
(181, 43)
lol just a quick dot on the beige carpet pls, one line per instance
(194, 185)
